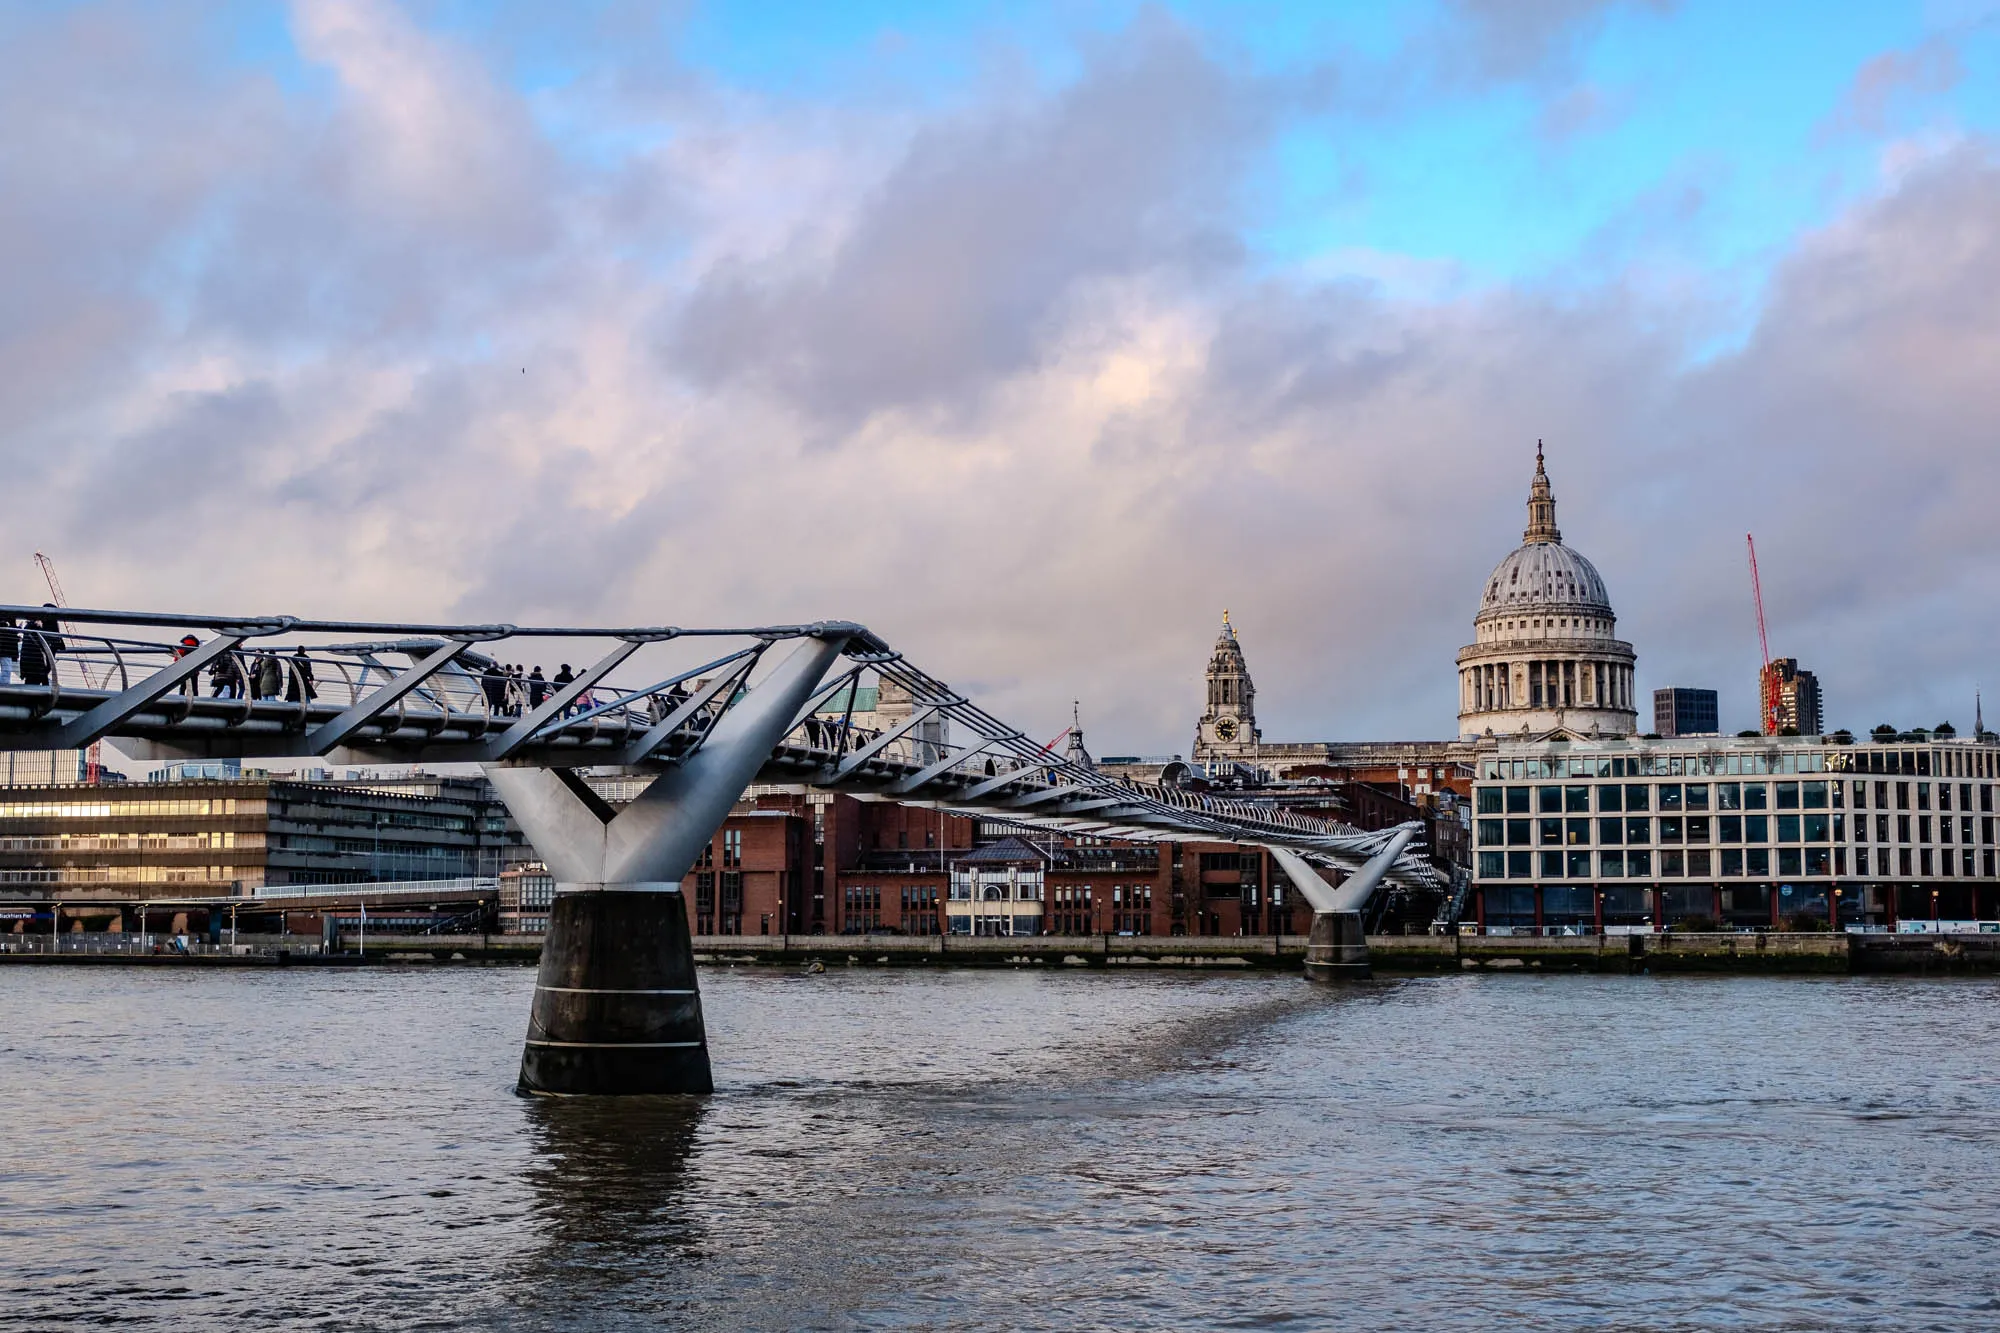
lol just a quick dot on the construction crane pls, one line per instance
(49, 573)
(93, 764)
(1767, 679)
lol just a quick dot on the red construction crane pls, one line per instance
(1767, 679)
(93, 763)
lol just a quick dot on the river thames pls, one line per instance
(308, 1148)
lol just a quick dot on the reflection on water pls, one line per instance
(1006, 1149)
(609, 1181)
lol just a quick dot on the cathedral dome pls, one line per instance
(1545, 659)
(1545, 576)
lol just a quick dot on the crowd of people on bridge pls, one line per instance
(254, 675)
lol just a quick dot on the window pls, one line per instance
(1944, 796)
(1788, 828)
(1489, 800)
(1753, 796)
(1492, 865)
(1552, 865)
(1577, 832)
(1697, 796)
(1729, 796)
(1611, 865)
(1672, 864)
(1902, 796)
(1882, 828)
(1635, 796)
(1638, 830)
(1610, 798)
(1611, 831)
(1756, 828)
(1789, 862)
(1549, 800)
(1670, 797)
(1698, 862)
(1697, 827)
(1788, 795)
(1757, 860)
(1923, 796)
(1638, 865)
(1902, 828)
(1731, 828)
(1815, 795)
(1860, 796)
(1518, 866)
(732, 848)
(1923, 828)
(1517, 800)
(1732, 861)
(1579, 865)
(1670, 829)
(1860, 860)
(1517, 832)
(1551, 832)
(1492, 832)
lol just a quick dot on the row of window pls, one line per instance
(131, 842)
(128, 875)
(1981, 762)
(1735, 862)
(1674, 797)
(132, 809)
(1644, 830)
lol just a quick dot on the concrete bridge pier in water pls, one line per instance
(1337, 949)
(616, 1007)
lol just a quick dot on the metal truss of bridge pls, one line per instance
(704, 712)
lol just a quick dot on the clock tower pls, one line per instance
(1228, 730)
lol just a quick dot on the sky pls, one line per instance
(1031, 337)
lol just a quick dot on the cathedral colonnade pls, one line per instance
(1545, 682)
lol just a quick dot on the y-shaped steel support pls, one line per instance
(616, 1006)
(1337, 949)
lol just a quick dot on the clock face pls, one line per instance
(1226, 729)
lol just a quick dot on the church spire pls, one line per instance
(1541, 506)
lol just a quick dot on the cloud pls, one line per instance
(1925, 70)
(1505, 41)
(1001, 379)
(951, 270)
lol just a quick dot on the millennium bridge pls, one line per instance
(703, 712)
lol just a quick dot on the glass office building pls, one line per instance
(1584, 836)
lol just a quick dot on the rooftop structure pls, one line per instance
(1681, 711)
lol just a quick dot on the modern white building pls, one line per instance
(1545, 658)
(1744, 831)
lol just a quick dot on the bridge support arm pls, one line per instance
(616, 1006)
(329, 734)
(1337, 949)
